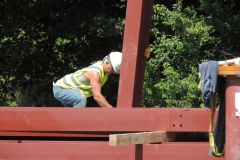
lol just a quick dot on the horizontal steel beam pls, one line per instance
(29, 150)
(53, 134)
(99, 119)
(66, 120)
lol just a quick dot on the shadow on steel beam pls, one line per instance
(138, 152)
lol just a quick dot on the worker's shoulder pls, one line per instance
(92, 74)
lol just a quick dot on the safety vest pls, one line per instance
(73, 80)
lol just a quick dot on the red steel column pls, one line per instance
(136, 38)
(232, 121)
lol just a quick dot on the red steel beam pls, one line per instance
(232, 121)
(29, 150)
(53, 134)
(97, 120)
(136, 38)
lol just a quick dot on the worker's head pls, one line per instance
(113, 61)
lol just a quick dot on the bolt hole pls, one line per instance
(173, 125)
(180, 125)
(180, 115)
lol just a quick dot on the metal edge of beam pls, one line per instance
(102, 151)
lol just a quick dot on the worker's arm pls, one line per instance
(94, 79)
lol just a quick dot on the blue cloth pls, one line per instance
(209, 76)
(69, 97)
(211, 84)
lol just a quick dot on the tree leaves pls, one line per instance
(41, 41)
(181, 39)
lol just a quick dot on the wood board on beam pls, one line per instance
(140, 138)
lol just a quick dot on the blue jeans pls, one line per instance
(70, 97)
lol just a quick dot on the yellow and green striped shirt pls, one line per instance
(76, 80)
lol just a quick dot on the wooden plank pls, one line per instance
(140, 138)
(229, 70)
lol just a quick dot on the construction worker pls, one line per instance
(73, 89)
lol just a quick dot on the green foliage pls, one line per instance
(41, 41)
(181, 40)
(178, 91)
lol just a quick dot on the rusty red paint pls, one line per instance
(187, 119)
(103, 120)
(136, 38)
(93, 122)
(29, 150)
(232, 121)
(53, 134)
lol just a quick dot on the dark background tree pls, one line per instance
(41, 41)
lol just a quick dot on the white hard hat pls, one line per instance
(116, 60)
